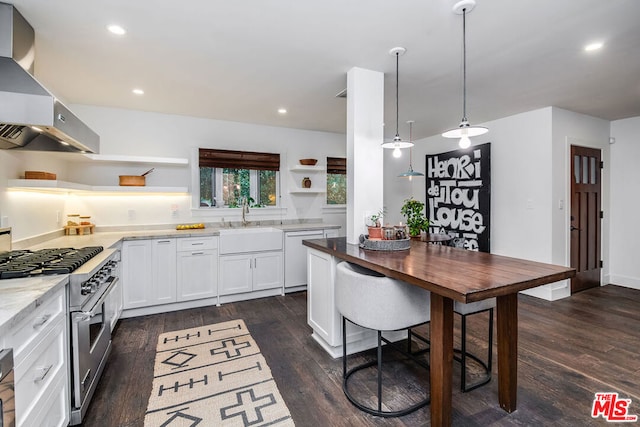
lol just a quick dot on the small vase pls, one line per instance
(375, 233)
(306, 182)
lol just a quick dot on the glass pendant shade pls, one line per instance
(464, 131)
(397, 143)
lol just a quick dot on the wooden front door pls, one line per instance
(585, 217)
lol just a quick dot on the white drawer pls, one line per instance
(197, 243)
(38, 322)
(35, 374)
(53, 409)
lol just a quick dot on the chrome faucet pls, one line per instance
(245, 211)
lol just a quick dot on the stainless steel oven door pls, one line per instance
(90, 346)
(7, 395)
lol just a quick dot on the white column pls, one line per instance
(365, 161)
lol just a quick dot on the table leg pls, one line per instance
(441, 359)
(507, 326)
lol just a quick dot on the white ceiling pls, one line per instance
(241, 60)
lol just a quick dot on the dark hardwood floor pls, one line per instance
(568, 350)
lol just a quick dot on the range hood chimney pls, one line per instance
(31, 118)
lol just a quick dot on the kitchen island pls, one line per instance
(449, 274)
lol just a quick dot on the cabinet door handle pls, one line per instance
(197, 244)
(41, 321)
(164, 241)
(43, 372)
(197, 253)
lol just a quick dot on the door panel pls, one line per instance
(585, 217)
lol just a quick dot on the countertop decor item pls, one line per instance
(39, 175)
(374, 225)
(386, 245)
(464, 130)
(306, 182)
(134, 180)
(412, 210)
(308, 162)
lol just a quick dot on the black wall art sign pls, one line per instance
(459, 194)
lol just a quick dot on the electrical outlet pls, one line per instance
(57, 217)
(131, 213)
(4, 221)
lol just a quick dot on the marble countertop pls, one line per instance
(20, 296)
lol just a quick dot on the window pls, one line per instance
(226, 177)
(336, 181)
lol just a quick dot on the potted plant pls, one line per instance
(417, 222)
(374, 225)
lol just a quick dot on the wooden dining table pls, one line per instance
(454, 274)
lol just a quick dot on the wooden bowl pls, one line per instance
(132, 180)
(308, 162)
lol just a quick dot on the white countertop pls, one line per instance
(19, 296)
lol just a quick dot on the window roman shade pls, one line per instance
(337, 165)
(238, 159)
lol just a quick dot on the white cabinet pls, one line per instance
(250, 272)
(295, 259)
(197, 268)
(148, 272)
(41, 358)
(163, 267)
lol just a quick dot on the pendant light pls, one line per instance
(397, 143)
(464, 131)
(410, 173)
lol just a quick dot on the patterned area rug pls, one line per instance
(213, 375)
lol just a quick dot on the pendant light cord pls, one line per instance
(464, 65)
(397, 103)
(410, 148)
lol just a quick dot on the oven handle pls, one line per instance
(86, 315)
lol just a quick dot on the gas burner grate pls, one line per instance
(23, 263)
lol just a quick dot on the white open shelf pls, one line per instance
(306, 168)
(56, 186)
(306, 191)
(115, 158)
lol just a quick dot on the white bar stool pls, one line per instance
(374, 301)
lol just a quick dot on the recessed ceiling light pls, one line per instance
(138, 91)
(116, 29)
(593, 46)
(282, 111)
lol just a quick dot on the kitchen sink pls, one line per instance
(251, 239)
(245, 230)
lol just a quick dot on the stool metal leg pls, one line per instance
(380, 371)
(464, 354)
(346, 374)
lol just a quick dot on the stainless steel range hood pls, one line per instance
(31, 118)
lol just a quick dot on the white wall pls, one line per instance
(27, 213)
(529, 176)
(137, 133)
(624, 268)
(571, 128)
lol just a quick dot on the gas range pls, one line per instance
(26, 263)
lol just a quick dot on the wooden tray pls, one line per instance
(79, 229)
(39, 175)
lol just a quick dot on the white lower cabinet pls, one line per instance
(148, 272)
(41, 365)
(250, 272)
(197, 274)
